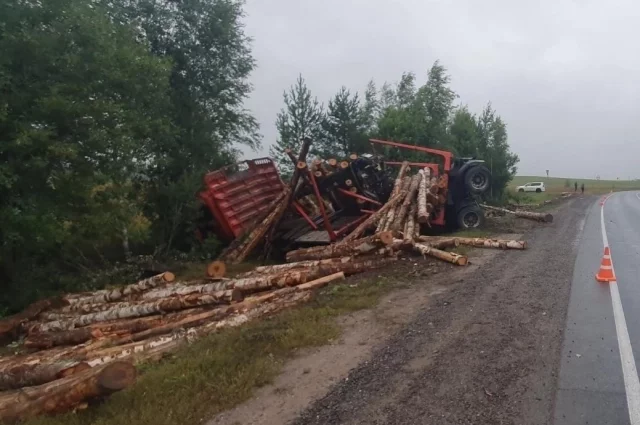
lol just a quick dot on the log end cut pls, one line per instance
(548, 218)
(168, 277)
(117, 376)
(216, 269)
(386, 237)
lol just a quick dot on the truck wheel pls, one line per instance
(521, 190)
(471, 217)
(538, 190)
(478, 179)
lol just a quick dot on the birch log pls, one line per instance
(373, 218)
(450, 257)
(54, 339)
(398, 183)
(542, 217)
(63, 395)
(14, 376)
(10, 326)
(423, 213)
(493, 243)
(439, 243)
(139, 310)
(355, 247)
(106, 296)
(410, 227)
(279, 268)
(398, 220)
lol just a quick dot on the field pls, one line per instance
(557, 185)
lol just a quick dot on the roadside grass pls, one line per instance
(222, 370)
(557, 185)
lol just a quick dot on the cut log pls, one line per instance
(362, 265)
(63, 395)
(344, 165)
(423, 213)
(53, 339)
(355, 247)
(319, 283)
(410, 227)
(450, 257)
(223, 288)
(398, 183)
(106, 296)
(398, 221)
(279, 268)
(216, 269)
(543, 217)
(493, 243)
(439, 243)
(389, 218)
(138, 310)
(10, 326)
(15, 375)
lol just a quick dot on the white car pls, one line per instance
(532, 187)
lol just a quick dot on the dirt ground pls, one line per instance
(473, 345)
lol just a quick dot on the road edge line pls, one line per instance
(629, 370)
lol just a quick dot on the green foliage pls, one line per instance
(302, 116)
(343, 126)
(110, 115)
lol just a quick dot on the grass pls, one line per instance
(222, 370)
(557, 185)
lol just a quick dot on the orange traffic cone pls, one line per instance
(605, 274)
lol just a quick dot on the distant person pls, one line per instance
(582, 188)
(575, 186)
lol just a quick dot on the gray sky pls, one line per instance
(564, 75)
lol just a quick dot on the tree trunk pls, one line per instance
(398, 183)
(543, 217)
(410, 227)
(398, 221)
(139, 310)
(10, 326)
(44, 341)
(439, 243)
(493, 243)
(450, 257)
(63, 395)
(342, 249)
(106, 296)
(18, 375)
(423, 213)
(207, 288)
(319, 283)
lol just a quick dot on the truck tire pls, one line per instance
(521, 190)
(538, 190)
(477, 179)
(471, 217)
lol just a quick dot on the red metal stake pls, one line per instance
(304, 215)
(325, 218)
(355, 195)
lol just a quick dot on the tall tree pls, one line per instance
(370, 108)
(211, 62)
(301, 116)
(435, 106)
(78, 113)
(344, 127)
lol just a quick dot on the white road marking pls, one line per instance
(638, 195)
(629, 371)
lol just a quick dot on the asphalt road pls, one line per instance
(598, 381)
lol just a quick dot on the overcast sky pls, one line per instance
(564, 75)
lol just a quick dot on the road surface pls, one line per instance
(598, 382)
(488, 351)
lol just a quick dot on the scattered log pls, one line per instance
(542, 217)
(216, 269)
(389, 218)
(493, 243)
(355, 247)
(410, 227)
(319, 283)
(63, 395)
(353, 267)
(10, 326)
(279, 268)
(450, 257)
(19, 375)
(398, 221)
(138, 310)
(223, 289)
(47, 340)
(439, 243)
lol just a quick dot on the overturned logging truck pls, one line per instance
(248, 204)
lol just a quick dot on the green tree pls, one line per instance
(78, 113)
(301, 116)
(370, 108)
(344, 126)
